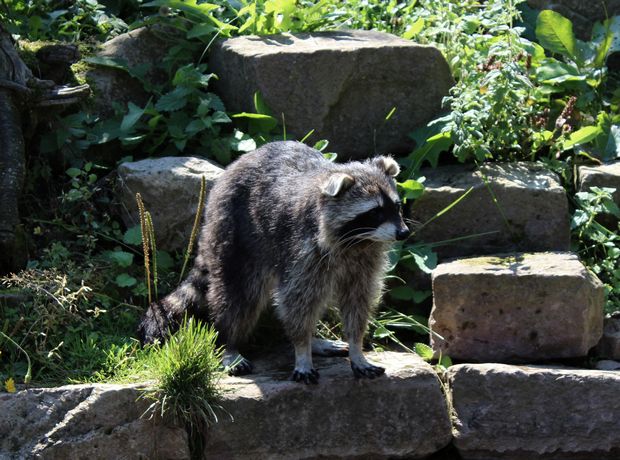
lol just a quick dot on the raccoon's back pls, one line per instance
(265, 197)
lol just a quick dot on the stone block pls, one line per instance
(535, 412)
(401, 414)
(340, 84)
(170, 188)
(139, 48)
(522, 204)
(517, 308)
(85, 421)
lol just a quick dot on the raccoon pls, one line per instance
(285, 225)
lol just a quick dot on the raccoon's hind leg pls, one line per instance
(355, 307)
(325, 347)
(236, 298)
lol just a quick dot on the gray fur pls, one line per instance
(283, 224)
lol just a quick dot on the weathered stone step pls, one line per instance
(531, 212)
(340, 84)
(403, 413)
(85, 422)
(535, 412)
(516, 308)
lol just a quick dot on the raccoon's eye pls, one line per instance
(376, 213)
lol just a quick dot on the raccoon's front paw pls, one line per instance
(306, 376)
(366, 370)
(240, 366)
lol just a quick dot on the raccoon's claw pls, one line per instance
(240, 367)
(367, 370)
(307, 377)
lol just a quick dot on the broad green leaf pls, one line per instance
(429, 152)
(164, 260)
(424, 257)
(121, 258)
(132, 117)
(381, 332)
(445, 361)
(410, 189)
(402, 293)
(606, 37)
(200, 30)
(582, 136)
(425, 352)
(321, 145)
(394, 256)
(258, 122)
(194, 127)
(242, 142)
(260, 105)
(189, 6)
(553, 69)
(421, 296)
(73, 172)
(115, 63)
(603, 41)
(414, 29)
(555, 33)
(254, 116)
(173, 100)
(125, 280)
(220, 117)
(133, 236)
(612, 149)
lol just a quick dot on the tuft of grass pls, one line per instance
(185, 372)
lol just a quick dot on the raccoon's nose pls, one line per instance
(402, 234)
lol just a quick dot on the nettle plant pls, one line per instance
(595, 226)
(518, 99)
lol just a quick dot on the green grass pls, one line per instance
(186, 370)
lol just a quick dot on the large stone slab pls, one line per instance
(341, 84)
(400, 414)
(170, 188)
(523, 204)
(85, 421)
(516, 308)
(535, 412)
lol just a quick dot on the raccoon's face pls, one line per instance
(361, 203)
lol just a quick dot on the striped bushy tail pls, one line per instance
(163, 317)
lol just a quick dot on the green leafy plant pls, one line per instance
(598, 242)
(511, 100)
(69, 21)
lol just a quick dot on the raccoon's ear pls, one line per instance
(387, 165)
(336, 184)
